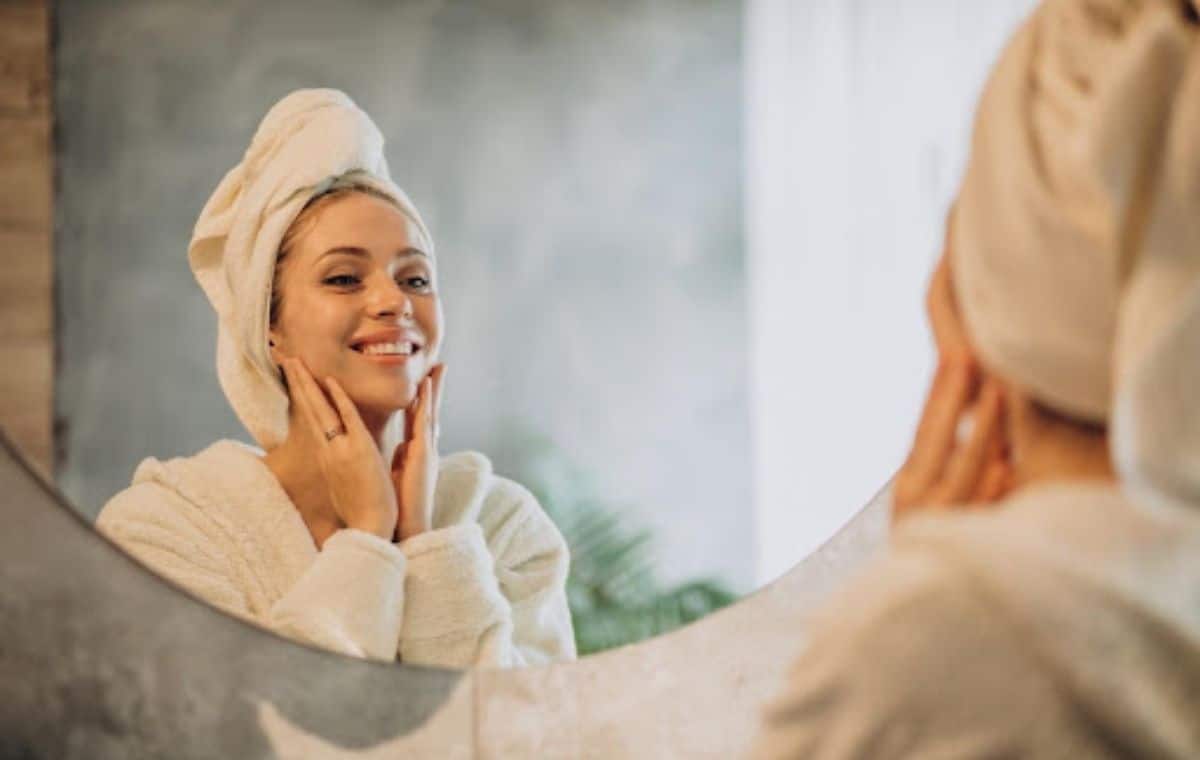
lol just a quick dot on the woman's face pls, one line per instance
(359, 303)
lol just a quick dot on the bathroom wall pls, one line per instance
(579, 164)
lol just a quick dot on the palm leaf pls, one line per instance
(612, 589)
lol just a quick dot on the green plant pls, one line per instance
(613, 589)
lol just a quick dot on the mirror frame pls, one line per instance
(104, 658)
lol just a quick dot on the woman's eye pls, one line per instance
(416, 282)
(342, 280)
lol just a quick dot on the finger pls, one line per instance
(398, 456)
(994, 482)
(940, 302)
(346, 409)
(300, 399)
(951, 392)
(997, 469)
(948, 332)
(439, 380)
(325, 416)
(966, 467)
(422, 425)
(410, 414)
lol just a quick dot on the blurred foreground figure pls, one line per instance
(1042, 593)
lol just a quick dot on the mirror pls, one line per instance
(681, 247)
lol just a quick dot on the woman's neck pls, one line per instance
(302, 481)
(1047, 449)
(295, 466)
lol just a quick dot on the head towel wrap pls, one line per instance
(1076, 234)
(306, 141)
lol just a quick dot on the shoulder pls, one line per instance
(906, 659)
(184, 493)
(900, 595)
(929, 599)
(509, 515)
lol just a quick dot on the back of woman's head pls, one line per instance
(1076, 238)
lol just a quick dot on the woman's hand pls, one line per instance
(946, 468)
(415, 462)
(354, 471)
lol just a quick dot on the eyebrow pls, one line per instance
(351, 250)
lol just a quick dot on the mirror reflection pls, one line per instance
(662, 319)
(578, 172)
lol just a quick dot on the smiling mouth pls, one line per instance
(399, 348)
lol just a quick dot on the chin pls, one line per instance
(382, 402)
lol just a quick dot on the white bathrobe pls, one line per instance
(1064, 624)
(484, 587)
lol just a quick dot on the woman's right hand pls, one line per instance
(358, 479)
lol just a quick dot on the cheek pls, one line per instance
(315, 327)
(428, 313)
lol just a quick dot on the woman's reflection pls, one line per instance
(324, 281)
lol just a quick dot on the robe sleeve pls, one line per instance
(909, 663)
(489, 593)
(350, 600)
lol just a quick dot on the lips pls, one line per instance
(389, 343)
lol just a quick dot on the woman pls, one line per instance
(336, 533)
(1040, 598)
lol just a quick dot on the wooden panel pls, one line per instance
(24, 71)
(26, 218)
(25, 195)
(26, 397)
(26, 311)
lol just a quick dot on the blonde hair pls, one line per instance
(329, 193)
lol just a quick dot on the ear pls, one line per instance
(273, 346)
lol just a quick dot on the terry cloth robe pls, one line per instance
(485, 586)
(1064, 625)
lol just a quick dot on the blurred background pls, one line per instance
(682, 245)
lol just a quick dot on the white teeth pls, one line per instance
(404, 348)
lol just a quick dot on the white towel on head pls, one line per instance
(306, 139)
(1076, 239)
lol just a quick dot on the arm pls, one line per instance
(491, 592)
(350, 600)
(909, 664)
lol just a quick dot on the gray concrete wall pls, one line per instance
(579, 163)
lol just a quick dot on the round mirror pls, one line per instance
(681, 251)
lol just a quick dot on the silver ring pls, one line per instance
(334, 433)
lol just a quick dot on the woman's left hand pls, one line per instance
(943, 471)
(415, 462)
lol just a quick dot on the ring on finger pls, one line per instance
(334, 432)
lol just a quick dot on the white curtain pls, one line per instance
(858, 116)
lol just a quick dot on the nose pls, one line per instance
(388, 300)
